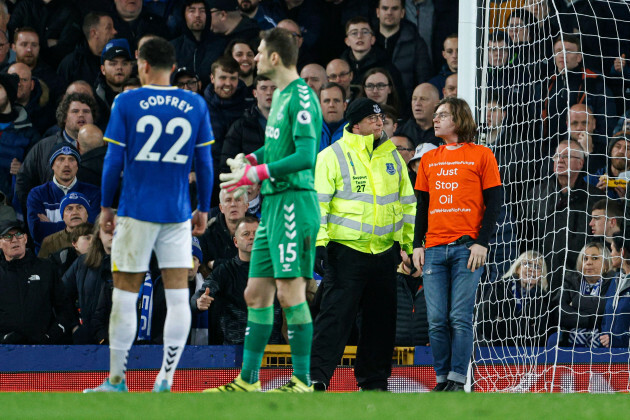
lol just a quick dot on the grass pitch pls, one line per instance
(368, 405)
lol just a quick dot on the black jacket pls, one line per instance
(84, 287)
(34, 305)
(59, 19)
(63, 259)
(557, 223)
(223, 112)
(228, 312)
(80, 64)
(413, 132)
(246, 135)
(216, 242)
(145, 23)
(412, 326)
(100, 324)
(91, 167)
(580, 311)
(410, 55)
(198, 56)
(511, 317)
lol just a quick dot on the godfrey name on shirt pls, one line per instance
(159, 100)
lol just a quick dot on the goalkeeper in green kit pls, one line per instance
(283, 254)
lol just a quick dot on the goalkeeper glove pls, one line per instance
(240, 161)
(243, 177)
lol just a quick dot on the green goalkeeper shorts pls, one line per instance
(284, 246)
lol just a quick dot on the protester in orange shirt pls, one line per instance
(460, 198)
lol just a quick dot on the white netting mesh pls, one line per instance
(551, 95)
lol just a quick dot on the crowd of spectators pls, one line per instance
(554, 116)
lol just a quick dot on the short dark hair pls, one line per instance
(187, 3)
(331, 85)
(132, 81)
(613, 209)
(451, 36)
(246, 219)
(81, 230)
(356, 20)
(90, 21)
(64, 105)
(225, 63)
(466, 129)
(283, 43)
(260, 78)
(158, 53)
(570, 38)
(497, 36)
(232, 43)
(390, 112)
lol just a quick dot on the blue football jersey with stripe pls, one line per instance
(159, 128)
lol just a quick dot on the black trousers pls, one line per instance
(363, 285)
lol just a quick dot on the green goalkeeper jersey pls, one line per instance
(295, 116)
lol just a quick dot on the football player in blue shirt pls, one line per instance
(154, 132)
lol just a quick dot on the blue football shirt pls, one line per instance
(159, 128)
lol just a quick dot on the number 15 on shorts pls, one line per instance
(287, 255)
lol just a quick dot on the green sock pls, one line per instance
(300, 338)
(259, 325)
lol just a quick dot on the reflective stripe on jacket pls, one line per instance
(365, 196)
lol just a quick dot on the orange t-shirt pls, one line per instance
(455, 180)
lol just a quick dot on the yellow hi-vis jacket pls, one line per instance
(365, 196)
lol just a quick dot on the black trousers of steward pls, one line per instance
(356, 283)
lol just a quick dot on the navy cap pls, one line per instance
(116, 48)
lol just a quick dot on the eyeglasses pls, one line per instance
(404, 149)
(8, 236)
(334, 76)
(532, 265)
(191, 84)
(295, 34)
(377, 86)
(558, 157)
(376, 118)
(356, 33)
(441, 115)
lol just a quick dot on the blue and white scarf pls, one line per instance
(145, 300)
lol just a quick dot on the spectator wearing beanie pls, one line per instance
(74, 212)
(43, 203)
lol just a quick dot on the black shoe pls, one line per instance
(319, 386)
(454, 386)
(439, 387)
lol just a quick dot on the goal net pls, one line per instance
(551, 92)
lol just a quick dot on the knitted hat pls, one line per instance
(361, 108)
(64, 148)
(74, 198)
(196, 249)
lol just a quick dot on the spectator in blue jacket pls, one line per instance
(332, 99)
(616, 322)
(44, 217)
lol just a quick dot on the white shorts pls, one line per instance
(135, 239)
